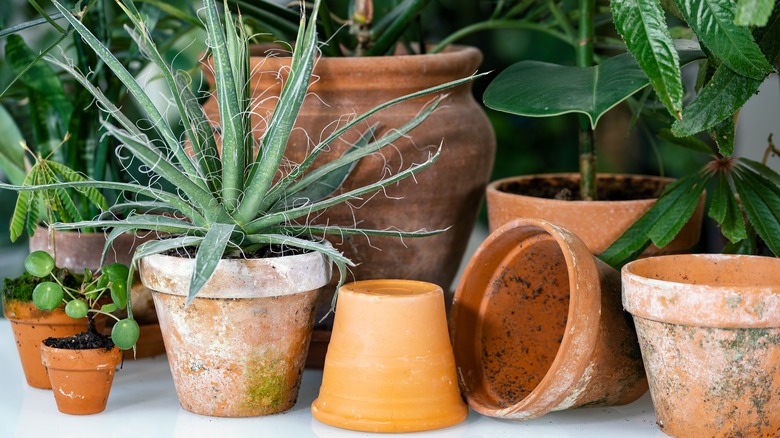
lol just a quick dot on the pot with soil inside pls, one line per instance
(555, 198)
(709, 330)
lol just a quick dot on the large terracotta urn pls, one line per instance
(446, 195)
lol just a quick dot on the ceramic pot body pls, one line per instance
(78, 250)
(709, 328)
(81, 379)
(537, 326)
(390, 366)
(239, 347)
(597, 223)
(31, 326)
(447, 194)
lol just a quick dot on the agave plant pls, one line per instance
(233, 202)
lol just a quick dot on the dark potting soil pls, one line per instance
(263, 253)
(609, 189)
(82, 341)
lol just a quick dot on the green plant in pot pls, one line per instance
(241, 255)
(596, 84)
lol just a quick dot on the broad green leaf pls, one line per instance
(209, 254)
(768, 38)
(723, 134)
(642, 25)
(761, 202)
(538, 89)
(761, 169)
(11, 151)
(662, 221)
(726, 212)
(690, 143)
(713, 22)
(753, 12)
(723, 96)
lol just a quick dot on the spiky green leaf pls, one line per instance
(209, 254)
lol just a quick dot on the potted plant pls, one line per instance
(580, 203)
(80, 367)
(234, 221)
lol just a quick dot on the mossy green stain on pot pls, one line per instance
(267, 385)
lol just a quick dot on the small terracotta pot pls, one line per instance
(80, 379)
(597, 223)
(709, 328)
(537, 326)
(75, 250)
(389, 366)
(238, 348)
(31, 326)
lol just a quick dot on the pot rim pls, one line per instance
(738, 304)
(79, 359)
(247, 278)
(283, 51)
(579, 336)
(493, 187)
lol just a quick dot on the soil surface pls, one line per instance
(262, 253)
(609, 189)
(82, 341)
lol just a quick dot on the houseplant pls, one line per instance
(538, 89)
(232, 208)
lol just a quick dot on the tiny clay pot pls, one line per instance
(709, 329)
(389, 365)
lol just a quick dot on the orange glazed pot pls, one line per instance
(389, 366)
(709, 328)
(81, 379)
(537, 326)
(31, 326)
(597, 223)
(238, 349)
(445, 195)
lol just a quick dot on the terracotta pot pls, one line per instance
(709, 328)
(537, 326)
(389, 366)
(81, 379)
(31, 326)
(238, 348)
(447, 194)
(597, 223)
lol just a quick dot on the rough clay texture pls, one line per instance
(597, 223)
(236, 356)
(81, 379)
(708, 376)
(537, 326)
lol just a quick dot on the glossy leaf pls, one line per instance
(761, 202)
(662, 221)
(713, 22)
(539, 89)
(726, 212)
(209, 254)
(642, 25)
(753, 12)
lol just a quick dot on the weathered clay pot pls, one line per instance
(709, 328)
(78, 250)
(597, 223)
(389, 366)
(239, 347)
(447, 194)
(31, 326)
(537, 326)
(81, 379)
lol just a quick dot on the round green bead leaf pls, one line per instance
(119, 292)
(76, 309)
(116, 271)
(47, 295)
(39, 263)
(125, 333)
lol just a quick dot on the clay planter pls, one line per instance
(31, 326)
(447, 194)
(597, 223)
(389, 366)
(709, 328)
(537, 326)
(78, 250)
(239, 347)
(80, 379)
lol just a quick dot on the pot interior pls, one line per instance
(710, 270)
(566, 187)
(517, 325)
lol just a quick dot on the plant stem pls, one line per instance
(584, 50)
(498, 24)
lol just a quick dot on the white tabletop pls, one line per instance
(143, 403)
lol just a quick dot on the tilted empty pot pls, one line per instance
(389, 365)
(537, 326)
(709, 328)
